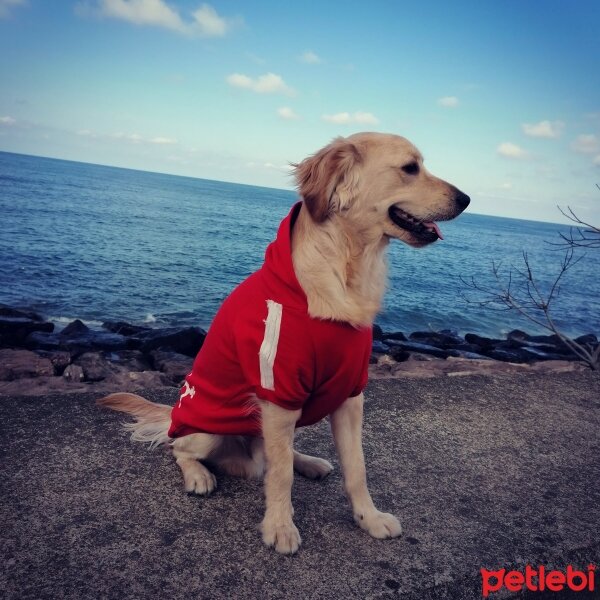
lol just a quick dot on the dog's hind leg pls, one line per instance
(311, 467)
(188, 451)
(241, 457)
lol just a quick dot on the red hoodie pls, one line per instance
(263, 342)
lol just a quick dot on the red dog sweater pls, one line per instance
(263, 342)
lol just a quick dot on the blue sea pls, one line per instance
(102, 243)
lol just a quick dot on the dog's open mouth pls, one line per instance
(425, 230)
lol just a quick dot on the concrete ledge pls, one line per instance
(482, 471)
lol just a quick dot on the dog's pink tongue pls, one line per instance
(431, 225)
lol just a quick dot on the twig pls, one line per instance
(578, 237)
(535, 300)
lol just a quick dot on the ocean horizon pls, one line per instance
(101, 243)
(265, 187)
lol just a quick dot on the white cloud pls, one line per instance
(586, 143)
(136, 138)
(271, 84)
(205, 22)
(209, 23)
(596, 160)
(143, 12)
(267, 165)
(239, 80)
(506, 186)
(448, 101)
(265, 84)
(511, 150)
(163, 140)
(7, 5)
(310, 58)
(543, 129)
(7, 121)
(87, 133)
(285, 112)
(345, 118)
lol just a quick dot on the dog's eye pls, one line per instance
(411, 168)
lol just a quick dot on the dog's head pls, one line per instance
(378, 185)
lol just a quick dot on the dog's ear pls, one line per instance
(326, 179)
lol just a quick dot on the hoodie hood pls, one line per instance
(278, 269)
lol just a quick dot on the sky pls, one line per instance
(501, 97)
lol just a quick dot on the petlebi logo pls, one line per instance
(538, 579)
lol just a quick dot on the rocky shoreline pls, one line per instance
(37, 359)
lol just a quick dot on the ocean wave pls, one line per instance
(61, 322)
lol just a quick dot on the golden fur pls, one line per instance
(342, 232)
(358, 193)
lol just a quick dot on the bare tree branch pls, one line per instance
(584, 235)
(529, 300)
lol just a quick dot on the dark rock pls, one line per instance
(95, 366)
(9, 311)
(133, 360)
(60, 359)
(418, 357)
(174, 365)
(373, 359)
(537, 353)
(411, 346)
(14, 330)
(518, 339)
(512, 356)
(377, 332)
(146, 379)
(482, 342)
(40, 340)
(96, 340)
(521, 336)
(398, 354)
(395, 335)
(545, 339)
(75, 328)
(73, 373)
(123, 328)
(451, 332)
(18, 364)
(184, 341)
(589, 338)
(562, 351)
(86, 341)
(464, 347)
(472, 355)
(547, 347)
(380, 347)
(438, 339)
(507, 353)
(517, 335)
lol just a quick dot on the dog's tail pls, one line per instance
(152, 420)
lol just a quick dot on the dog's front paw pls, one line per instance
(199, 480)
(379, 525)
(285, 537)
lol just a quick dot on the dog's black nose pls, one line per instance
(462, 200)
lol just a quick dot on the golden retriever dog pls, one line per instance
(357, 193)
